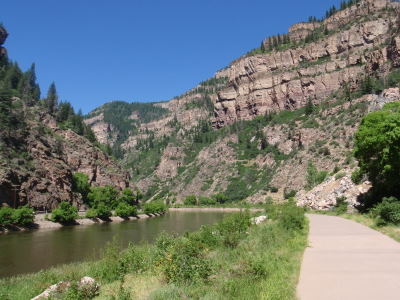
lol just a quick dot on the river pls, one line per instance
(31, 251)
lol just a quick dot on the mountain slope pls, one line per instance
(272, 116)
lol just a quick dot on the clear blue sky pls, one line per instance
(139, 50)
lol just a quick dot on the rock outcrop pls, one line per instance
(3, 37)
(41, 176)
(356, 44)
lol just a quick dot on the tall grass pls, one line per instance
(229, 260)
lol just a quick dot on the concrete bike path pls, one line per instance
(347, 260)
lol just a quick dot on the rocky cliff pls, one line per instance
(349, 44)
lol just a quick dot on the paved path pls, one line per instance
(347, 260)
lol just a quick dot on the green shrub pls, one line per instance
(106, 195)
(91, 213)
(388, 211)
(154, 207)
(377, 148)
(220, 198)
(190, 200)
(314, 177)
(186, 263)
(288, 215)
(66, 213)
(341, 205)
(80, 184)
(273, 189)
(340, 175)
(127, 196)
(23, 216)
(207, 236)
(207, 201)
(103, 211)
(124, 210)
(233, 228)
(6, 216)
(357, 176)
(289, 193)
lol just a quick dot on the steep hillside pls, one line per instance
(273, 118)
(43, 144)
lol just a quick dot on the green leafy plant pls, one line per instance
(65, 213)
(124, 210)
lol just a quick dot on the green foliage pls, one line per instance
(207, 201)
(220, 198)
(190, 200)
(154, 207)
(289, 216)
(80, 184)
(186, 263)
(314, 177)
(388, 211)
(357, 176)
(6, 216)
(106, 195)
(341, 205)
(103, 211)
(128, 197)
(23, 216)
(377, 148)
(51, 100)
(91, 213)
(124, 210)
(289, 193)
(66, 213)
(234, 228)
(340, 175)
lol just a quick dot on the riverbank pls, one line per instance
(41, 223)
(232, 259)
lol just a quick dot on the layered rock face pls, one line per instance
(357, 42)
(42, 175)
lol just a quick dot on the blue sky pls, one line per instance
(139, 50)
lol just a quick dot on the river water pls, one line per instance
(32, 251)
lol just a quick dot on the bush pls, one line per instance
(340, 175)
(377, 148)
(233, 228)
(103, 211)
(220, 198)
(186, 263)
(80, 184)
(154, 207)
(341, 205)
(127, 196)
(289, 194)
(388, 211)
(314, 177)
(190, 200)
(273, 189)
(106, 195)
(207, 201)
(23, 216)
(66, 213)
(124, 210)
(6, 216)
(357, 176)
(288, 215)
(91, 213)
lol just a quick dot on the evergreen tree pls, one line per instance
(309, 107)
(28, 88)
(52, 99)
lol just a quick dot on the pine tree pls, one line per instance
(52, 99)
(309, 107)
(28, 88)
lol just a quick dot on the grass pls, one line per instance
(229, 260)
